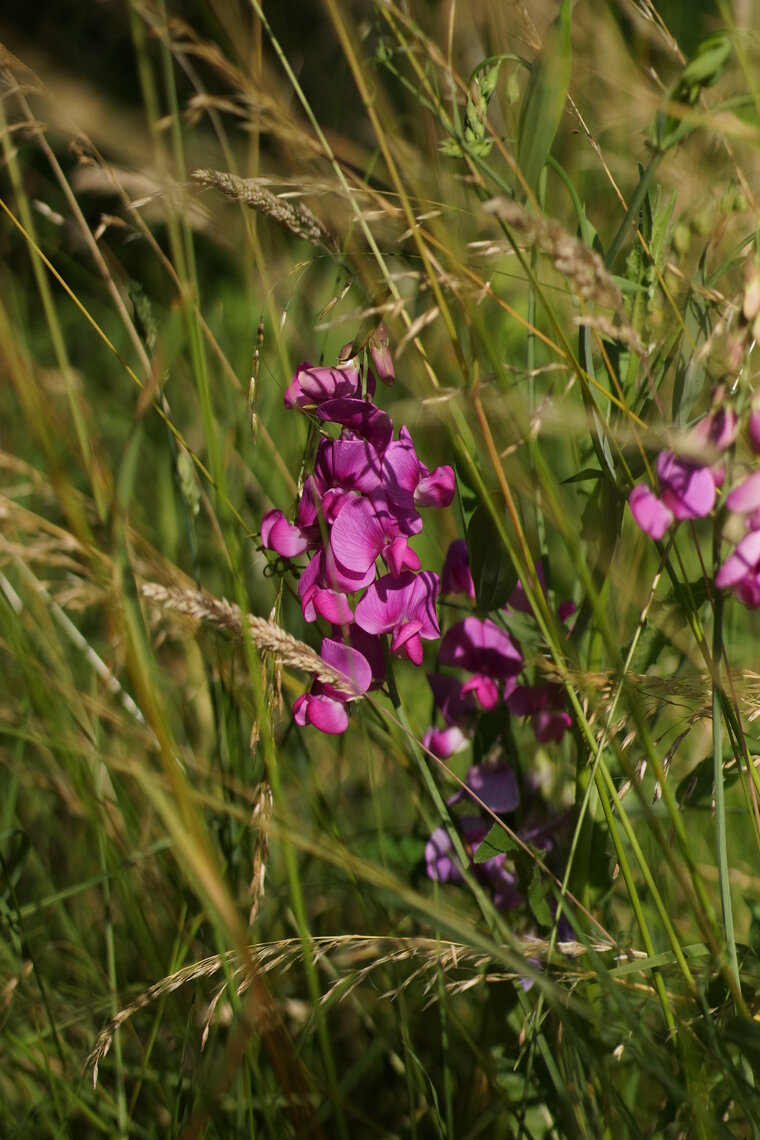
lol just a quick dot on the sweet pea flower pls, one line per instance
(403, 606)
(323, 706)
(717, 430)
(409, 483)
(456, 704)
(312, 385)
(370, 526)
(651, 515)
(382, 361)
(494, 784)
(281, 536)
(360, 420)
(481, 647)
(443, 867)
(445, 742)
(686, 488)
(545, 705)
(455, 576)
(741, 571)
(323, 587)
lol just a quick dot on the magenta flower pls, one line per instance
(456, 704)
(717, 430)
(687, 491)
(323, 588)
(360, 420)
(455, 576)
(651, 515)
(545, 705)
(443, 868)
(281, 536)
(403, 606)
(481, 647)
(686, 488)
(753, 426)
(741, 571)
(445, 742)
(346, 465)
(745, 497)
(494, 784)
(382, 361)
(323, 707)
(312, 386)
(409, 483)
(368, 527)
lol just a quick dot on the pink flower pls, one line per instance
(481, 647)
(281, 536)
(313, 385)
(652, 516)
(409, 483)
(360, 419)
(403, 606)
(741, 571)
(686, 488)
(323, 706)
(445, 742)
(545, 705)
(455, 576)
(370, 526)
(382, 361)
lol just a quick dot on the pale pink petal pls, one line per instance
(745, 496)
(652, 516)
(742, 563)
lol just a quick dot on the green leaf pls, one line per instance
(492, 571)
(545, 98)
(497, 842)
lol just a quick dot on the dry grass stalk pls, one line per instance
(262, 813)
(346, 952)
(570, 256)
(292, 216)
(265, 635)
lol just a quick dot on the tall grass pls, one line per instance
(215, 922)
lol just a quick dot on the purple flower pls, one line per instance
(494, 784)
(409, 483)
(382, 361)
(444, 742)
(323, 587)
(745, 497)
(717, 430)
(281, 536)
(686, 488)
(741, 571)
(455, 576)
(370, 526)
(652, 516)
(545, 705)
(442, 867)
(312, 385)
(346, 465)
(753, 426)
(323, 705)
(360, 419)
(403, 606)
(482, 647)
(455, 703)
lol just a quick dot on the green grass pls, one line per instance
(231, 914)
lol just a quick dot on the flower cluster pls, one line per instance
(687, 487)
(493, 789)
(688, 490)
(359, 504)
(492, 657)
